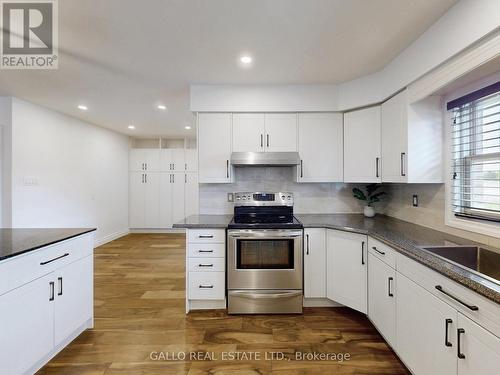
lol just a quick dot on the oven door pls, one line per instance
(265, 259)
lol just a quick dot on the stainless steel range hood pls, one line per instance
(265, 159)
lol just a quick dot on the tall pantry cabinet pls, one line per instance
(163, 187)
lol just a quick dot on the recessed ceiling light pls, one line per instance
(83, 107)
(131, 127)
(161, 107)
(187, 127)
(246, 59)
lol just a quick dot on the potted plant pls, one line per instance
(371, 196)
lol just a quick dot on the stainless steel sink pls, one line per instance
(474, 258)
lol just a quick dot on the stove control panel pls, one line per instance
(263, 199)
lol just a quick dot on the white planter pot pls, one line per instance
(369, 211)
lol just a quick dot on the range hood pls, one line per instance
(265, 159)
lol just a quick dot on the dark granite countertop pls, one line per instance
(408, 238)
(204, 221)
(405, 237)
(16, 241)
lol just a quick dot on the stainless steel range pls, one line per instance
(264, 260)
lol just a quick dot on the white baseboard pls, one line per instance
(110, 237)
(319, 302)
(164, 230)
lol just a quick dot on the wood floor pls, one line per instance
(139, 315)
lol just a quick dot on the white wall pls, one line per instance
(5, 160)
(463, 25)
(81, 172)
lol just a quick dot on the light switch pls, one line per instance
(230, 197)
(415, 200)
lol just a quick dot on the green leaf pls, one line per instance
(358, 194)
(371, 188)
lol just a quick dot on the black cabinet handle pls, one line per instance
(53, 260)
(470, 307)
(307, 241)
(205, 236)
(205, 265)
(301, 168)
(460, 355)
(59, 281)
(205, 251)
(447, 322)
(267, 140)
(378, 251)
(376, 167)
(206, 286)
(363, 252)
(262, 140)
(51, 293)
(227, 168)
(403, 173)
(389, 292)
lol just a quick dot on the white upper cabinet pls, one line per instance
(144, 159)
(315, 263)
(259, 132)
(191, 164)
(320, 147)
(172, 159)
(412, 140)
(281, 132)
(248, 132)
(214, 147)
(362, 145)
(347, 269)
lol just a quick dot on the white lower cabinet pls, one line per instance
(315, 263)
(382, 298)
(347, 269)
(426, 330)
(144, 194)
(26, 326)
(479, 351)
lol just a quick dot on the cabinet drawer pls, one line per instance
(207, 235)
(206, 264)
(215, 250)
(24, 268)
(488, 313)
(383, 252)
(207, 285)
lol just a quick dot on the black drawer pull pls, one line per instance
(206, 286)
(378, 251)
(51, 293)
(447, 322)
(52, 260)
(59, 280)
(205, 265)
(470, 307)
(389, 292)
(363, 252)
(205, 251)
(460, 355)
(205, 236)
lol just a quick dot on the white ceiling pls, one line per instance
(122, 57)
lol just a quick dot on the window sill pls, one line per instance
(487, 228)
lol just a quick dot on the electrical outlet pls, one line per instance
(415, 200)
(230, 197)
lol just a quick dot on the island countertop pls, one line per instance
(17, 241)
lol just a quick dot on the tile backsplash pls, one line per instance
(309, 197)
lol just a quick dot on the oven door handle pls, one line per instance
(265, 237)
(252, 295)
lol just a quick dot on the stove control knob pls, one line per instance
(282, 197)
(238, 198)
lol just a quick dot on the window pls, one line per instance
(475, 140)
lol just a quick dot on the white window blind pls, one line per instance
(475, 139)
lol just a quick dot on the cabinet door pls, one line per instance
(315, 263)
(362, 145)
(480, 349)
(347, 269)
(166, 160)
(248, 132)
(421, 326)
(321, 147)
(191, 199)
(165, 200)
(191, 160)
(178, 160)
(137, 199)
(152, 160)
(382, 298)
(281, 132)
(137, 159)
(152, 200)
(394, 139)
(178, 185)
(26, 326)
(74, 297)
(214, 147)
